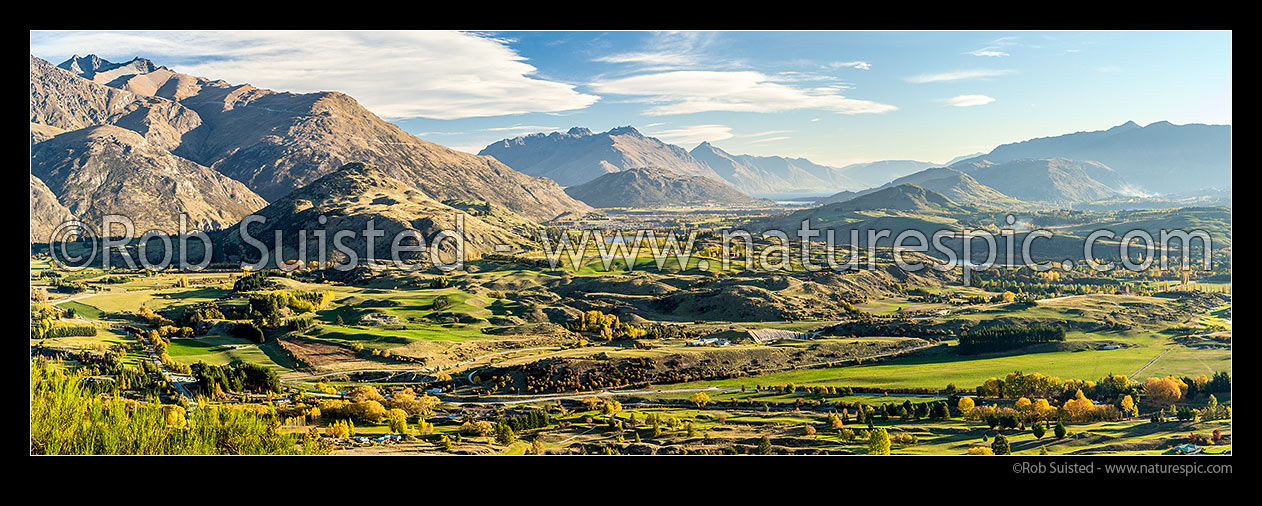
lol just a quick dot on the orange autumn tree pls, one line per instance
(1163, 391)
(1080, 408)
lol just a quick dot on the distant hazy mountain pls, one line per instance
(771, 174)
(1161, 157)
(653, 187)
(873, 174)
(354, 194)
(1047, 180)
(578, 156)
(272, 141)
(962, 158)
(951, 183)
(106, 169)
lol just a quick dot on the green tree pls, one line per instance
(397, 419)
(1059, 430)
(504, 435)
(1000, 445)
(764, 446)
(878, 442)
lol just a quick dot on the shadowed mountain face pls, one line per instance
(578, 156)
(1161, 157)
(771, 174)
(1048, 180)
(46, 211)
(103, 170)
(275, 142)
(352, 196)
(652, 187)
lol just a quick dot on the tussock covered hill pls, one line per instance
(905, 197)
(652, 187)
(103, 170)
(349, 198)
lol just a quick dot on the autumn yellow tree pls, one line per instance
(1043, 409)
(1164, 391)
(965, 405)
(700, 399)
(1128, 407)
(1080, 408)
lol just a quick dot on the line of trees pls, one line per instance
(995, 338)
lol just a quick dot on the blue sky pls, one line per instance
(833, 97)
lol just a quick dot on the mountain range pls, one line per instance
(579, 155)
(771, 174)
(271, 142)
(654, 187)
(1159, 158)
(140, 139)
(1013, 184)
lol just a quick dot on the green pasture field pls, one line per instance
(940, 369)
(220, 350)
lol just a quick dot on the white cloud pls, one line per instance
(768, 132)
(769, 139)
(695, 134)
(988, 51)
(666, 50)
(522, 128)
(969, 100)
(692, 91)
(861, 65)
(430, 74)
(958, 75)
(995, 47)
